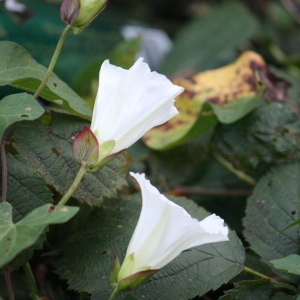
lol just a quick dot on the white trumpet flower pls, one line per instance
(129, 103)
(163, 231)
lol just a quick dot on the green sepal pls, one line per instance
(88, 12)
(134, 281)
(113, 279)
(86, 147)
(104, 156)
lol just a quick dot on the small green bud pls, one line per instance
(80, 13)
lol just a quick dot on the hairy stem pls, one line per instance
(73, 186)
(240, 174)
(8, 283)
(34, 292)
(53, 61)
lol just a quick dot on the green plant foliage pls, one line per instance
(274, 205)
(18, 107)
(113, 225)
(15, 237)
(27, 190)
(194, 47)
(48, 151)
(256, 289)
(248, 290)
(289, 264)
(19, 69)
(234, 110)
(269, 134)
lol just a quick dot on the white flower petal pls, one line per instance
(131, 102)
(165, 229)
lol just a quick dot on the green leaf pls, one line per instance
(273, 206)
(195, 46)
(18, 107)
(234, 110)
(14, 237)
(112, 226)
(289, 264)
(49, 152)
(19, 69)
(282, 296)
(249, 290)
(27, 190)
(256, 289)
(270, 133)
(179, 130)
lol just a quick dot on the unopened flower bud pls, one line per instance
(80, 13)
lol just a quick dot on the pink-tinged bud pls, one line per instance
(80, 13)
(85, 147)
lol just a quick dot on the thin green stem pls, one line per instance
(34, 292)
(8, 283)
(4, 170)
(73, 186)
(114, 294)
(257, 274)
(240, 174)
(53, 61)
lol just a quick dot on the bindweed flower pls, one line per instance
(163, 231)
(80, 13)
(128, 104)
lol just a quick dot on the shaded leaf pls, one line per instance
(255, 289)
(49, 152)
(14, 237)
(274, 205)
(282, 296)
(248, 290)
(19, 69)
(27, 190)
(194, 47)
(18, 107)
(268, 135)
(113, 225)
(289, 264)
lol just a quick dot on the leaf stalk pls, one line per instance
(257, 274)
(240, 174)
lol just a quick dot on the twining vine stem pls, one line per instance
(53, 61)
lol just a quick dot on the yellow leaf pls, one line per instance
(235, 82)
